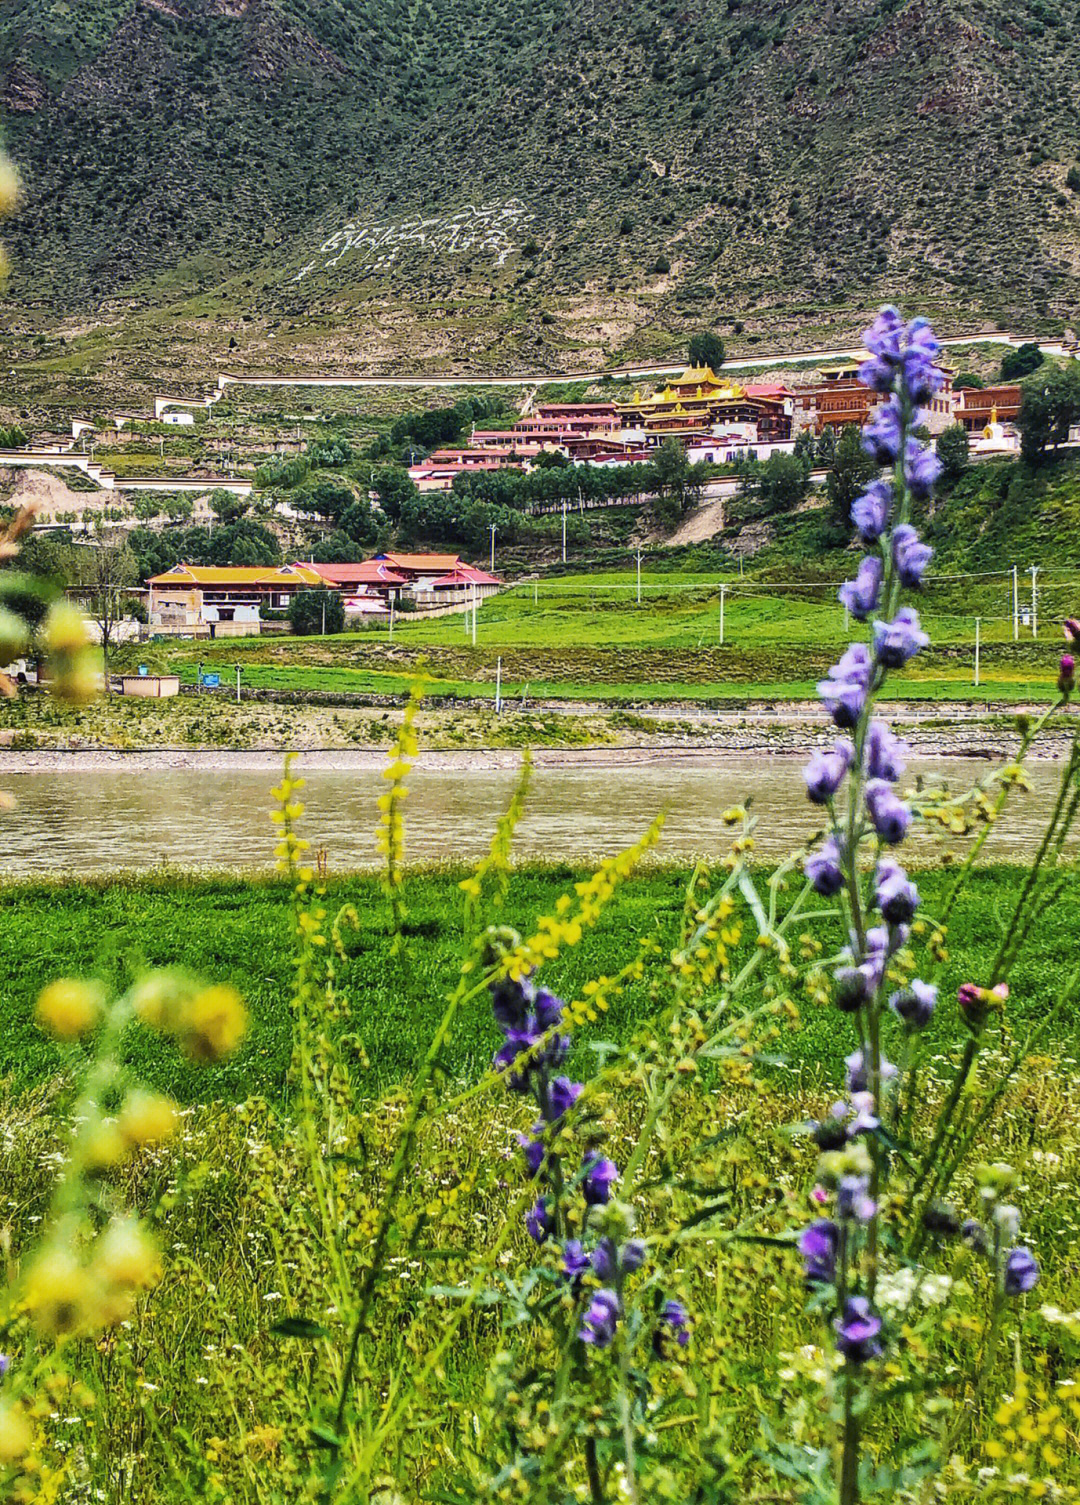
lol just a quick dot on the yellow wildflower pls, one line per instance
(68, 1008)
(16, 1437)
(212, 1023)
(10, 186)
(104, 1145)
(60, 1293)
(147, 1117)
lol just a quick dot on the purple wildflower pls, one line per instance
(895, 894)
(858, 1079)
(562, 1095)
(915, 1004)
(575, 1261)
(825, 771)
(678, 1319)
(823, 869)
(897, 641)
(817, 1245)
(881, 437)
(632, 1255)
(853, 987)
(862, 595)
(604, 1260)
(865, 1120)
(857, 1331)
(533, 1149)
(922, 468)
(548, 1009)
(910, 555)
(600, 1176)
(870, 511)
(1021, 1272)
(885, 336)
(510, 1000)
(853, 1199)
(599, 1322)
(890, 815)
(884, 753)
(922, 378)
(539, 1221)
(844, 692)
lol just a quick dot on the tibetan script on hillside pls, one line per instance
(492, 230)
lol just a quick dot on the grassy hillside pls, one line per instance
(643, 169)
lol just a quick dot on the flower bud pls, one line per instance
(147, 1117)
(16, 1437)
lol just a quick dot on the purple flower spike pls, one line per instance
(539, 1221)
(823, 869)
(510, 1001)
(915, 1004)
(922, 468)
(896, 896)
(910, 555)
(818, 1245)
(899, 640)
(870, 512)
(891, 817)
(877, 374)
(857, 1331)
(600, 1176)
(599, 1323)
(885, 753)
(678, 1319)
(882, 435)
(922, 378)
(1021, 1272)
(862, 595)
(825, 771)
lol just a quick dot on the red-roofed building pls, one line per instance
(463, 583)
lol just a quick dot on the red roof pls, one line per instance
(768, 389)
(466, 574)
(366, 572)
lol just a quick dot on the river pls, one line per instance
(93, 821)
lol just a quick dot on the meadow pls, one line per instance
(586, 637)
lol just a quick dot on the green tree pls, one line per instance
(850, 472)
(227, 506)
(952, 448)
(781, 483)
(969, 380)
(677, 482)
(1021, 362)
(316, 611)
(395, 490)
(1049, 406)
(706, 349)
(102, 572)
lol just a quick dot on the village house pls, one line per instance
(223, 601)
(976, 407)
(699, 403)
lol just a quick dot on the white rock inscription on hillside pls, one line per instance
(493, 230)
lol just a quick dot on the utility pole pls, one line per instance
(639, 577)
(475, 599)
(498, 685)
(324, 619)
(1016, 605)
(238, 684)
(494, 530)
(723, 590)
(977, 622)
(1034, 603)
(391, 619)
(564, 530)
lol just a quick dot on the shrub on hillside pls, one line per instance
(1021, 362)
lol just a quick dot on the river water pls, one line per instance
(83, 822)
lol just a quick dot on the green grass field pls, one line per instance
(586, 637)
(234, 929)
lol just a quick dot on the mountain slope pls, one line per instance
(366, 179)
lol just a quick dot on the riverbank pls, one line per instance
(36, 734)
